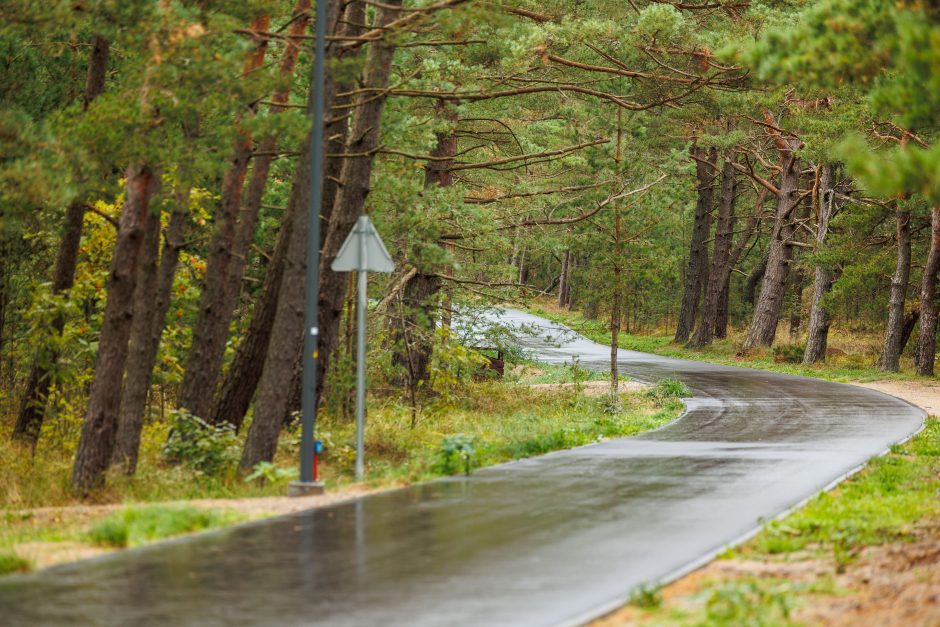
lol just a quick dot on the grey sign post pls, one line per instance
(362, 252)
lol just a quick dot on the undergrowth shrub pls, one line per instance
(207, 449)
(457, 451)
(668, 389)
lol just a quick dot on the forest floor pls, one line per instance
(534, 410)
(864, 553)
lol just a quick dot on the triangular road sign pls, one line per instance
(363, 250)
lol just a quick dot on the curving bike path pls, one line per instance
(556, 539)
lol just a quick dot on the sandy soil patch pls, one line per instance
(924, 394)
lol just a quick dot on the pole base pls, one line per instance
(305, 488)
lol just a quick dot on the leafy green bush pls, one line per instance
(457, 451)
(208, 449)
(271, 473)
(750, 603)
(10, 563)
(647, 596)
(788, 353)
(667, 389)
(132, 526)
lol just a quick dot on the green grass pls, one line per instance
(504, 422)
(854, 366)
(11, 563)
(134, 526)
(883, 503)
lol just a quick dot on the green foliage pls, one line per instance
(647, 596)
(457, 452)
(751, 603)
(271, 473)
(668, 389)
(788, 353)
(138, 525)
(11, 563)
(208, 449)
(452, 366)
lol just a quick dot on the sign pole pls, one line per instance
(361, 374)
(307, 485)
(362, 252)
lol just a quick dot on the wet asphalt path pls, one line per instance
(545, 541)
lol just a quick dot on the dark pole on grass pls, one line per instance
(306, 485)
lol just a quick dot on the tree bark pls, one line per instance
(272, 404)
(696, 268)
(244, 374)
(722, 262)
(151, 304)
(824, 277)
(891, 353)
(754, 279)
(927, 344)
(563, 279)
(33, 404)
(773, 289)
(721, 318)
(211, 330)
(616, 302)
(96, 443)
(351, 197)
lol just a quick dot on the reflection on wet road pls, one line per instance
(545, 541)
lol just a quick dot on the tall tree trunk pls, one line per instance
(151, 304)
(563, 279)
(910, 321)
(773, 289)
(244, 374)
(927, 343)
(824, 277)
(754, 279)
(696, 269)
(891, 353)
(261, 166)
(273, 399)
(96, 443)
(33, 404)
(722, 262)
(721, 318)
(351, 197)
(616, 302)
(796, 303)
(211, 330)
(272, 404)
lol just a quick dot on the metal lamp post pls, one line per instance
(307, 484)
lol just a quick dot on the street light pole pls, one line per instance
(307, 485)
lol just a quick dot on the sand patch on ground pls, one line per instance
(923, 394)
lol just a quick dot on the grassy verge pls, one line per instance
(482, 424)
(852, 356)
(847, 554)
